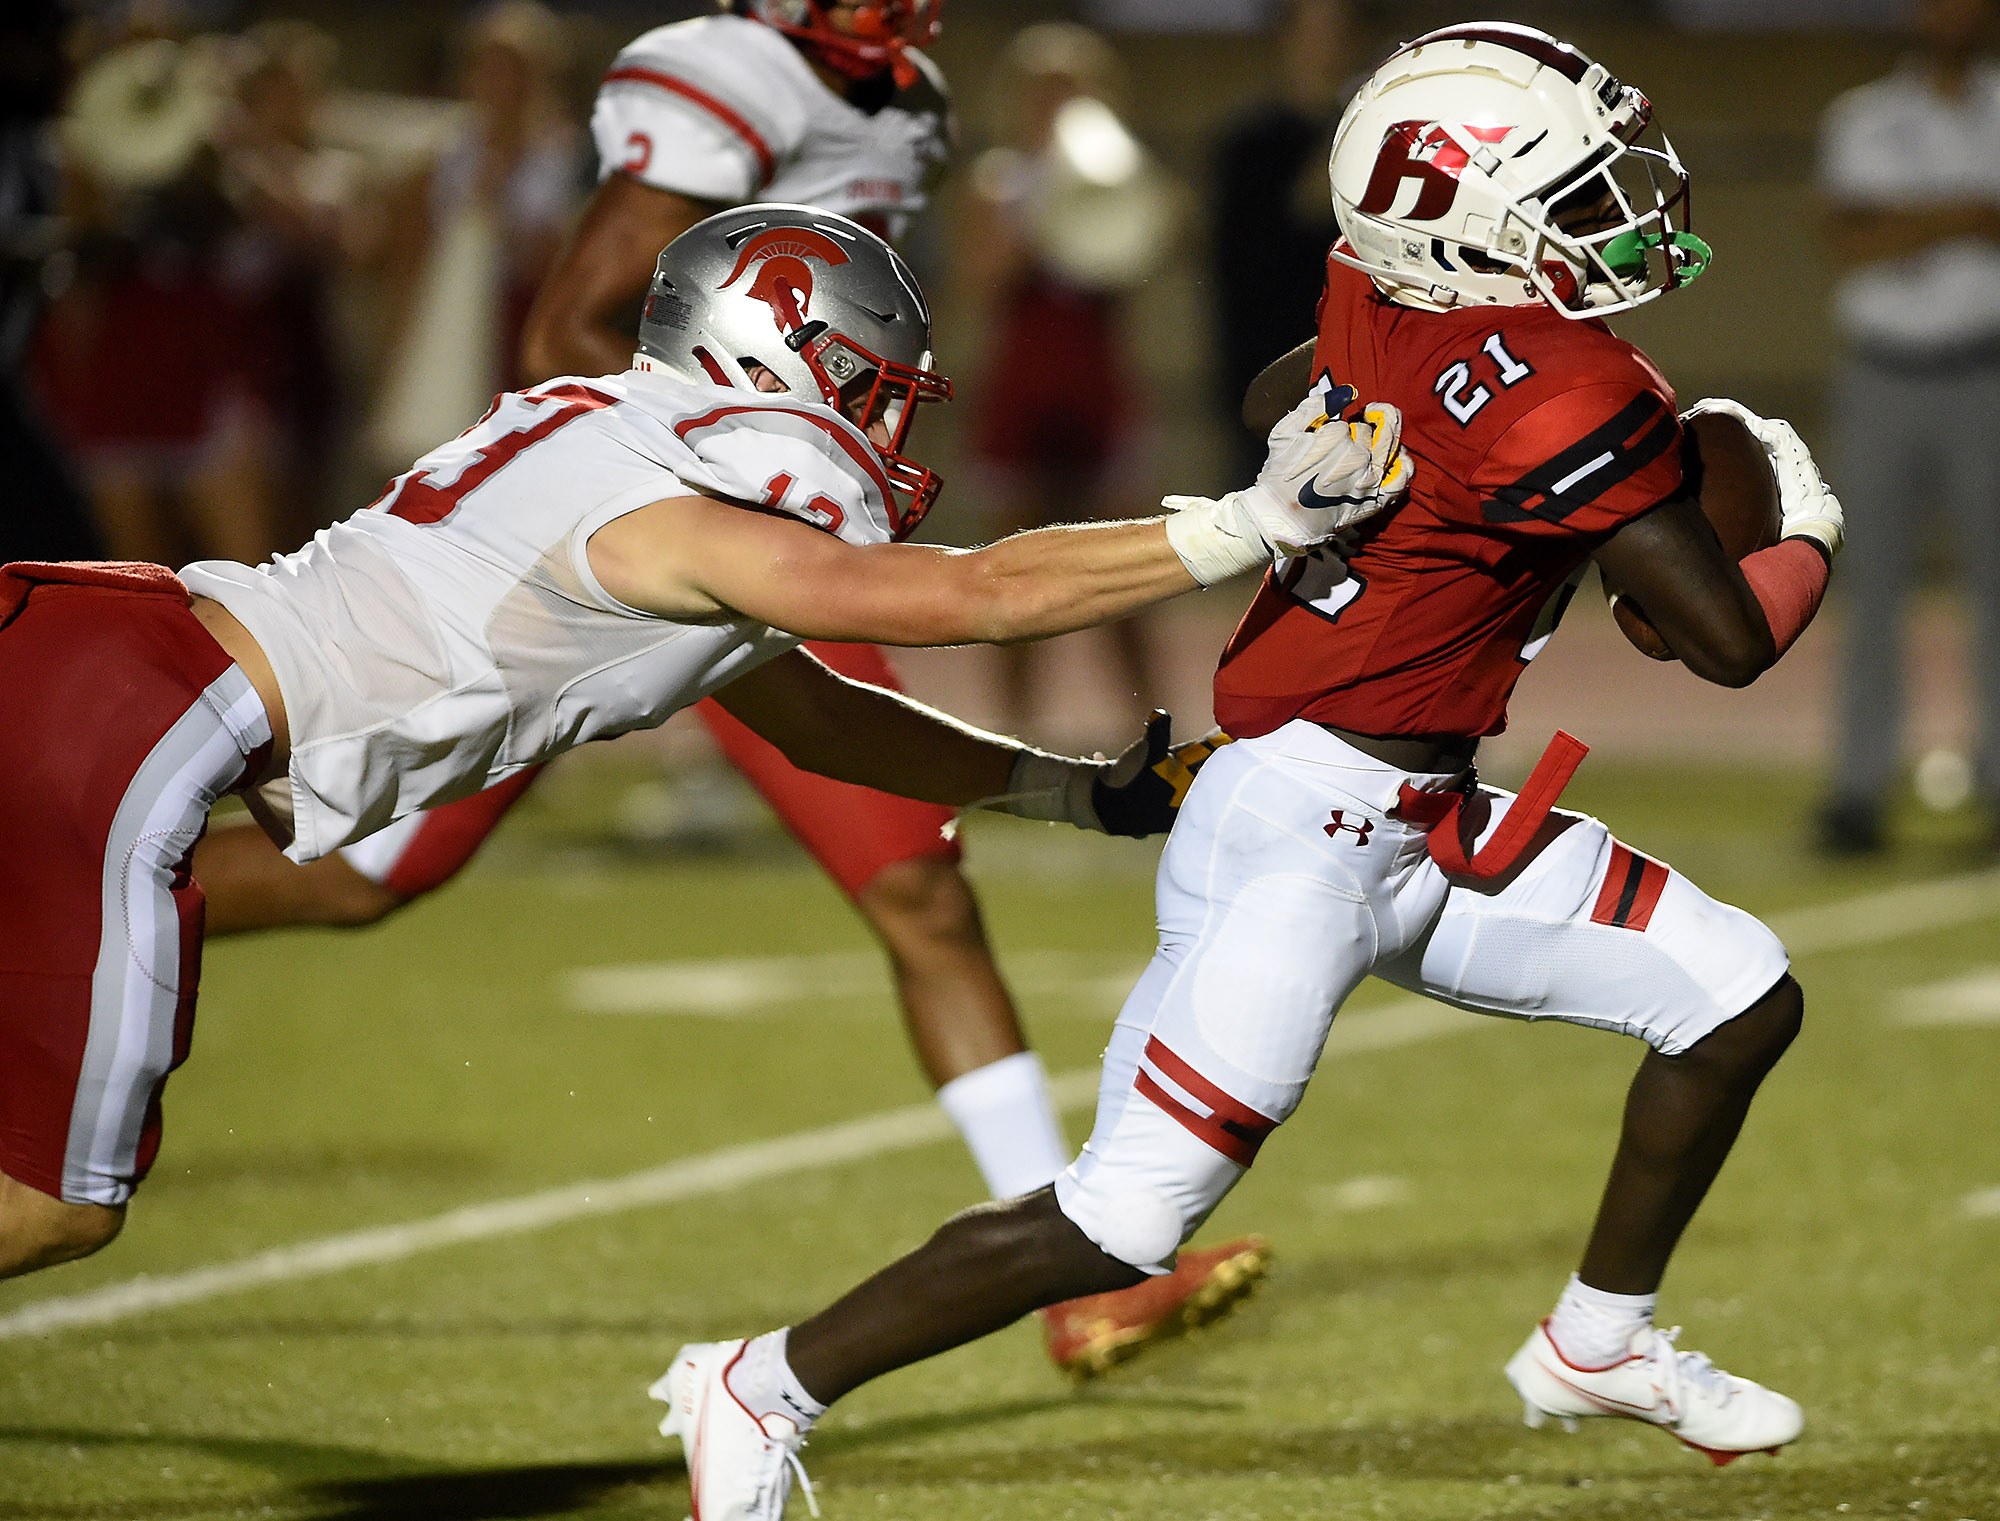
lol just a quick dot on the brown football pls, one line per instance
(1739, 496)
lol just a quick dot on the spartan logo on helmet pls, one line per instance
(1430, 153)
(784, 279)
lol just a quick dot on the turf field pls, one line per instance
(1425, 1206)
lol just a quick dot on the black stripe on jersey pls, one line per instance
(1633, 439)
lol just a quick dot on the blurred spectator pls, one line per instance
(1064, 222)
(477, 231)
(1273, 211)
(1911, 165)
(297, 218)
(44, 514)
(137, 359)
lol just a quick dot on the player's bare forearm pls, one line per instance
(867, 735)
(1874, 235)
(573, 327)
(1279, 386)
(1671, 563)
(1046, 582)
(693, 557)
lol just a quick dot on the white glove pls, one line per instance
(1320, 477)
(1807, 509)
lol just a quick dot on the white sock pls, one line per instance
(1009, 1123)
(763, 1380)
(1594, 1329)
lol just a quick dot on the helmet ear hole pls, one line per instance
(713, 370)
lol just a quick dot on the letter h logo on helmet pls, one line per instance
(784, 279)
(1429, 153)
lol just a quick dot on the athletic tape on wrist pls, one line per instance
(1209, 535)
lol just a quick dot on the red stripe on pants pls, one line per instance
(1230, 1127)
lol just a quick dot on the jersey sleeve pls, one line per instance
(683, 110)
(1584, 462)
(798, 460)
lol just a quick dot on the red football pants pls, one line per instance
(126, 721)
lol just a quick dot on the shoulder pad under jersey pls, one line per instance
(777, 452)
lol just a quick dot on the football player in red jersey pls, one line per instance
(1497, 193)
(835, 106)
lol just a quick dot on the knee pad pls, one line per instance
(1137, 1225)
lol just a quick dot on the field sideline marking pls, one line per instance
(1869, 919)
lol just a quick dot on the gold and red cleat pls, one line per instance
(1090, 1336)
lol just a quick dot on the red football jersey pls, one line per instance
(1534, 437)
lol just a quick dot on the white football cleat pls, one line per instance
(1717, 1414)
(739, 1468)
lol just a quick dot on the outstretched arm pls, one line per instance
(868, 735)
(694, 557)
(872, 737)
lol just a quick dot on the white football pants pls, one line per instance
(1285, 882)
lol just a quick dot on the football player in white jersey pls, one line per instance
(587, 559)
(833, 106)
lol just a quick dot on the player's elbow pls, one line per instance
(1732, 657)
(999, 604)
(1017, 613)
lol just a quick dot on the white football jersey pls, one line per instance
(723, 108)
(452, 633)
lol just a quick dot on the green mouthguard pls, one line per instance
(1626, 253)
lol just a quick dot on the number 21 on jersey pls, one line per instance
(1463, 396)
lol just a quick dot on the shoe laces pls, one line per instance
(788, 1448)
(799, 1469)
(1679, 1371)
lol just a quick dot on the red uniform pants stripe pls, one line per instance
(1230, 1126)
(1632, 887)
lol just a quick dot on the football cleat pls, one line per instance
(1718, 1414)
(1092, 1335)
(739, 1467)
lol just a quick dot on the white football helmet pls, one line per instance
(1490, 164)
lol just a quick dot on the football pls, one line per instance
(1739, 496)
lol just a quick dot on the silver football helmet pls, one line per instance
(819, 301)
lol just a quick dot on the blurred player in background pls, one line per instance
(44, 513)
(1911, 167)
(589, 558)
(1065, 223)
(1271, 224)
(1344, 832)
(474, 235)
(837, 107)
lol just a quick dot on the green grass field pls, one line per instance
(1425, 1205)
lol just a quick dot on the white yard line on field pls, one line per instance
(1983, 1205)
(1865, 920)
(1872, 918)
(1402, 1023)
